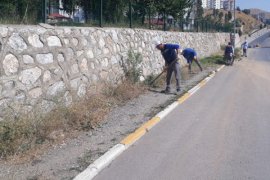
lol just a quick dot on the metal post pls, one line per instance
(101, 17)
(130, 15)
(164, 22)
(45, 10)
(234, 24)
(149, 17)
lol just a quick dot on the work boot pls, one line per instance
(166, 91)
(178, 91)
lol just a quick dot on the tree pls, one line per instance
(20, 11)
(220, 16)
(226, 18)
(199, 10)
(116, 10)
(69, 5)
(176, 8)
(229, 15)
(246, 11)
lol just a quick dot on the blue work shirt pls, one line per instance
(245, 45)
(228, 50)
(189, 54)
(169, 52)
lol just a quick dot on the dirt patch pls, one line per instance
(65, 160)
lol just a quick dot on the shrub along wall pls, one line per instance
(41, 67)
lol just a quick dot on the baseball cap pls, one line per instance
(157, 43)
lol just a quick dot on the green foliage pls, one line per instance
(18, 136)
(132, 66)
(220, 16)
(20, 11)
(176, 8)
(116, 10)
(246, 11)
(217, 59)
(199, 10)
(229, 15)
(237, 53)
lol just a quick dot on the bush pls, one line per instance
(132, 66)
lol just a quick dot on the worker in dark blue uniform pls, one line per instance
(170, 55)
(228, 54)
(191, 55)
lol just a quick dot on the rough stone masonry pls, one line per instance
(40, 68)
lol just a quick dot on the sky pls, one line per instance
(259, 4)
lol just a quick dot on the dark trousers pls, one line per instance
(175, 67)
(245, 52)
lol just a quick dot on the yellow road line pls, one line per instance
(183, 98)
(149, 124)
(202, 83)
(130, 139)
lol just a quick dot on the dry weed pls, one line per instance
(36, 132)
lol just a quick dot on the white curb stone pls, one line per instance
(101, 163)
(166, 111)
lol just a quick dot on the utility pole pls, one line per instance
(234, 24)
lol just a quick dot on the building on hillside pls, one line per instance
(228, 5)
(211, 4)
(204, 4)
(222, 4)
(215, 4)
(218, 4)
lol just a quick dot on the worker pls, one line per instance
(191, 55)
(170, 55)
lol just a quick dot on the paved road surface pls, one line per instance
(220, 133)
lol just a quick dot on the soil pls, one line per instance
(68, 158)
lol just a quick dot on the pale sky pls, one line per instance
(259, 4)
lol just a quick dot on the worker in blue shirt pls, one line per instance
(245, 47)
(191, 55)
(170, 55)
(228, 54)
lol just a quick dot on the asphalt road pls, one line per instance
(220, 133)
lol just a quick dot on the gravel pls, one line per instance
(64, 161)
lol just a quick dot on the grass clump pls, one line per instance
(212, 60)
(132, 66)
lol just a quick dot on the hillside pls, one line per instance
(259, 11)
(249, 23)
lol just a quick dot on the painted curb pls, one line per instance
(93, 169)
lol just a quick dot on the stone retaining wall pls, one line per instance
(41, 67)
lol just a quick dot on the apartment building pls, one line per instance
(228, 5)
(204, 4)
(218, 4)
